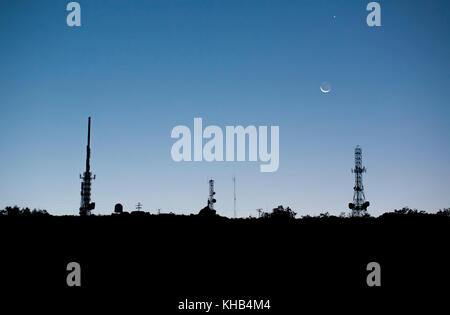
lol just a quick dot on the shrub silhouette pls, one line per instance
(12, 211)
(444, 212)
(16, 211)
(279, 213)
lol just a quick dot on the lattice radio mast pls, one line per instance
(359, 205)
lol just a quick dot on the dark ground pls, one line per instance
(151, 263)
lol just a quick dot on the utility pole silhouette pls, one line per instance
(86, 206)
(139, 206)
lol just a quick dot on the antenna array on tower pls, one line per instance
(86, 205)
(359, 205)
(211, 199)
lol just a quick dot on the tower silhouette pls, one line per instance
(359, 205)
(86, 205)
(211, 199)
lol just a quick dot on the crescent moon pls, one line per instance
(324, 91)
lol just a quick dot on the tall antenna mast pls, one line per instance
(359, 205)
(211, 199)
(86, 206)
(234, 200)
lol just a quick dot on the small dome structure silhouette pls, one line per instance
(118, 208)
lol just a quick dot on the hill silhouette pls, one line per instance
(142, 260)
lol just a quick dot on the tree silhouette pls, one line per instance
(16, 211)
(279, 213)
(444, 212)
(12, 211)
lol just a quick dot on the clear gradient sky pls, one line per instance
(140, 68)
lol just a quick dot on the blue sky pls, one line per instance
(140, 68)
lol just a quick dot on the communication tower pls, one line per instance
(359, 204)
(86, 205)
(211, 199)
